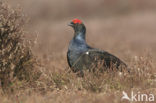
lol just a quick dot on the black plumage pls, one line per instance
(81, 56)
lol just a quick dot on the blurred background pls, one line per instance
(125, 28)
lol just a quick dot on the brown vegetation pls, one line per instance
(16, 59)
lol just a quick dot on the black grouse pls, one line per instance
(81, 56)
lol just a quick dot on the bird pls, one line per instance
(81, 56)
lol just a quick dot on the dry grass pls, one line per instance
(131, 37)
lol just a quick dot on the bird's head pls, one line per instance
(77, 25)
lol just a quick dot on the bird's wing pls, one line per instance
(105, 56)
(101, 54)
(94, 58)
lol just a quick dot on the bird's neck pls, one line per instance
(78, 43)
(80, 36)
